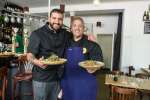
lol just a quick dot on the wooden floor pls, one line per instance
(103, 90)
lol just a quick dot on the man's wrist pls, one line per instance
(32, 59)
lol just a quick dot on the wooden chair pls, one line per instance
(143, 92)
(121, 93)
(142, 75)
(3, 75)
(19, 77)
(114, 72)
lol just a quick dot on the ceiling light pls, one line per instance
(18, 19)
(6, 19)
(96, 2)
(12, 19)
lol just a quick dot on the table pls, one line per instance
(129, 82)
(7, 57)
(11, 61)
(4, 58)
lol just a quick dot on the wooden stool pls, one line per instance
(21, 76)
(18, 78)
(3, 75)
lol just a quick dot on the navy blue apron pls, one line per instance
(77, 83)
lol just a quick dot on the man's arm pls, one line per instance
(95, 54)
(33, 48)
(91, 37)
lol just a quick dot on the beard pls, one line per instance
(52, 25)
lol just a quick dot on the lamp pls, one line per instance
(18, 19)
(6, 19)
(12, 19)
(96, 2)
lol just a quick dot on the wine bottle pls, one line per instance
(14, 42)
(145, 16)
(149, 8)
(148, 14)
(25, 35)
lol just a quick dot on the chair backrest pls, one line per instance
(121, 93)
(3, 75)
(141, 75)
(22, 58)
(27, 65)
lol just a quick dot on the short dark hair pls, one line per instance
(57, 11)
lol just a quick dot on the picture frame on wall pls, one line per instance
(147, 27)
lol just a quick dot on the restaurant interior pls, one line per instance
(121, 28)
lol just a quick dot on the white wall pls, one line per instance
(109, 23)
(135, 44)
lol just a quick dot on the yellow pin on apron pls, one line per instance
(84, 50)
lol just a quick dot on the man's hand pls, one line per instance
(39, 63)
(35, 61)
(60, 94)
(91, 70)
(91, 37)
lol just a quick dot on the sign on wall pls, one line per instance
(146, 27)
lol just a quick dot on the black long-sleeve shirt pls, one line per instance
(43, 42)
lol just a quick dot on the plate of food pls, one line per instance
(20, 54)
(6, 54)
(54, 60)
(91, 64)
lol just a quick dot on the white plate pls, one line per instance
(97, 65)
(57, 62)
(3, 54)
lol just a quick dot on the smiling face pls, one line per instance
(56, 20)
(77, 27)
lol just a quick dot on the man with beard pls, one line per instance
(47, 40)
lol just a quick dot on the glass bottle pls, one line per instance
(145, 16)
(148, 15)
(25, 35)
(14, 42)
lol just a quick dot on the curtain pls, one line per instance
(117, 44)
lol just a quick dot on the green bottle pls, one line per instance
(25, 42)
